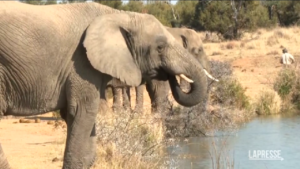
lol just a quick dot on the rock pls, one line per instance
(27, 120)
(55, 159)
(37, 120)
(22, 120)
(50, 122)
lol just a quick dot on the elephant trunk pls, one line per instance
(198, 88)
(3, 161)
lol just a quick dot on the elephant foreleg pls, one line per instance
(126, 98)
(80, 151)
(3, 161)
(116, 99)
(139, 103)
(158, 92)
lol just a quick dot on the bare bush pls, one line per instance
(219, 70)
(129, 140)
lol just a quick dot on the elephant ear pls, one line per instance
(184, 41)
(109, 49)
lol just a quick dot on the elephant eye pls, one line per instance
(194, 50)
(160, 48)
(200, 49)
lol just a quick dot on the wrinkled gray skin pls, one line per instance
(3, 161)
(158, 90)
(61, 57)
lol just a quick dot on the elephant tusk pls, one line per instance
(210, 76)
(186, 78)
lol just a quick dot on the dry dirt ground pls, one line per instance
(255, 60)
(31, 145)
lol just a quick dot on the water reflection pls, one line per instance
(232, 149)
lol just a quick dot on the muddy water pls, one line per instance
(271, 142)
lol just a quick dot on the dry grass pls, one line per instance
(274, 53)
(231, 45)
(216, 53)
(260, 42)
(125, 140)
(129, 140)
(221, 156)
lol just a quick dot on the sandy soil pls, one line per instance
(31, 145)
(255, 73)
(255, 60)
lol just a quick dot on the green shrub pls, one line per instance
(296, 94)
(285, 82)
(229, 92)
(268, 103)
(287, 85)
(230, 20)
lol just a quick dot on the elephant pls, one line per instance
(120, 89)
(158, 90)
(61, 57)
(3, 161)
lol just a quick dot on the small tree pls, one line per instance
(117, 4)
(133, 5)
(228, 18)
(39, 2)
(288, 12)
(186, 11)
(161, 11)
(176, 23)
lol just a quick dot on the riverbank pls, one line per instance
(236, 149)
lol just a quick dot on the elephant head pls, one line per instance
(192, 41)
(132, 47)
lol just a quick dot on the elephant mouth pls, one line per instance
(210, 76)
(189, 94)
(189, 90)
(189, 80)
(184, 77)
(184, 82)
(160, 74)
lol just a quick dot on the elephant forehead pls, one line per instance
(195, 38)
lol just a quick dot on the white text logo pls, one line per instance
(265, 155)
